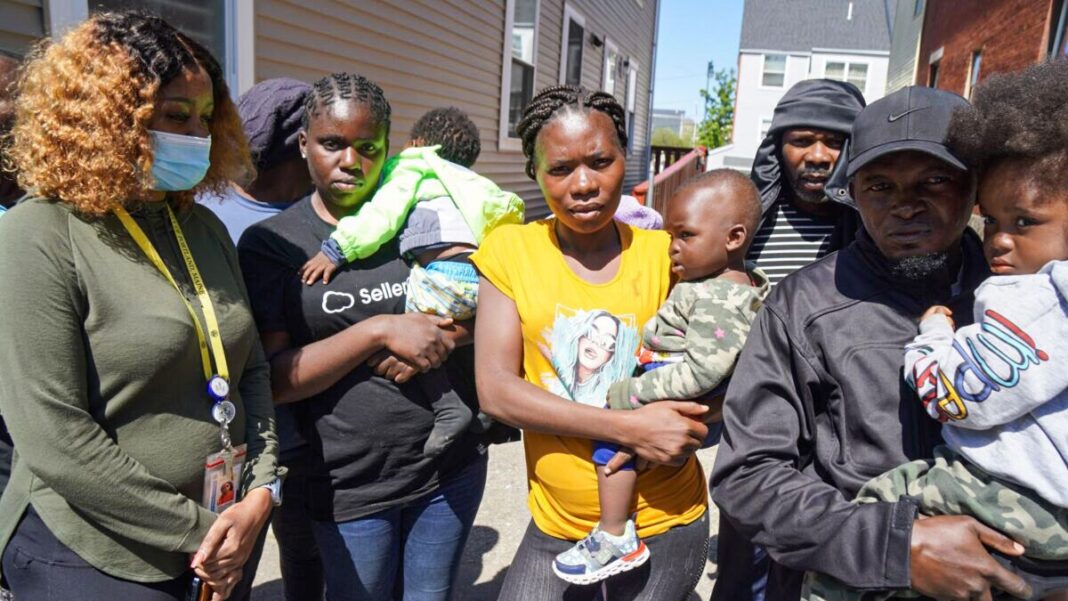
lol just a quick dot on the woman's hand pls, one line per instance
(222, 589)
(387, 365)
(665, 432)
(229, 541)
(419, 340)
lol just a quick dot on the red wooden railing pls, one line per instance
(686, 165)
(666, 156)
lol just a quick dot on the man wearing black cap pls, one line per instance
(793, 165)
(818, 405)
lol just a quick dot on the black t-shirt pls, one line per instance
(366, 434)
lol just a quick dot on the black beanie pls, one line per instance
(270, 115)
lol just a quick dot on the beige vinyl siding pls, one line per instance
(21, 24)
(427, 54)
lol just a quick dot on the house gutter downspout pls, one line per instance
(649, 114)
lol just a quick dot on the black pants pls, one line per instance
(37, 567)
(676, 562)
(302, 567)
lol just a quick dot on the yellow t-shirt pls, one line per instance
(591, 331)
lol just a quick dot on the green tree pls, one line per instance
(716, 128)
(666, 136)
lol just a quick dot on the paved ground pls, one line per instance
(498, 527)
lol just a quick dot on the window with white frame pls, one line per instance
(932, 74)
(572, 44)
(611, 68)
(973, 73)
(632, 101)
(765, 126)
(224, 27)
(520, 56)
(1058, 35)
(202, 20)
(774, 74)
(854, 73)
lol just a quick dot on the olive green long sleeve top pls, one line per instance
(102, 385)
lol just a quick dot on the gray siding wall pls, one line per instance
(632, 28)
(21, 24)
(427, 54)
(904, 44)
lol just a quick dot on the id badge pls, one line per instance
(222, 474)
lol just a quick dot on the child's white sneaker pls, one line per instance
(601, 555)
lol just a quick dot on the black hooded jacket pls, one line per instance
(817, 103)
(817, 406)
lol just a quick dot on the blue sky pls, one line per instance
(693, 32)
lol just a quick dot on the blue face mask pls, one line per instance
(179, 162)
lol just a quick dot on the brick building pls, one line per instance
(963, 41)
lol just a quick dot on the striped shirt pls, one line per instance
(788, 240)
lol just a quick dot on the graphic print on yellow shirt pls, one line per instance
(579, 338)
(589, 350)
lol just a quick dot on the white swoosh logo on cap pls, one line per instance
(891, 118)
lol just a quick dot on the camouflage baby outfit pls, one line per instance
(692, 343)
(950, 485)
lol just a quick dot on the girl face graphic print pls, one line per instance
(589, 350)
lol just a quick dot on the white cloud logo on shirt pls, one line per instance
(336, 302)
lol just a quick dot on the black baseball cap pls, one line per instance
(913, 118)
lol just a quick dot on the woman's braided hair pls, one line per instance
(545, 105)
(346, 86)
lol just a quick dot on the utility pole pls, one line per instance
(708, 85)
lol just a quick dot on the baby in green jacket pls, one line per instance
(442, 211)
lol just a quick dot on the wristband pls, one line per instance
(332, 250)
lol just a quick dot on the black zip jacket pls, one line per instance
(817, 407)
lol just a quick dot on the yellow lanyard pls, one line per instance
(206, 305)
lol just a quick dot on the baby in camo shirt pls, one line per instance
(688, 349)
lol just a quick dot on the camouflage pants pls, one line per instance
(949, 485)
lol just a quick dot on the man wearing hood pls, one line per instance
(795, 162)
(818, 406)
(794, 170)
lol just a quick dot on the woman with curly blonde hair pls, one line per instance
(130, 355)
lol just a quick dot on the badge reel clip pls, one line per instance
(223, 412)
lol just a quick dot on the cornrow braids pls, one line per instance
(451, 129)
(346, 86)
(545, 105)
